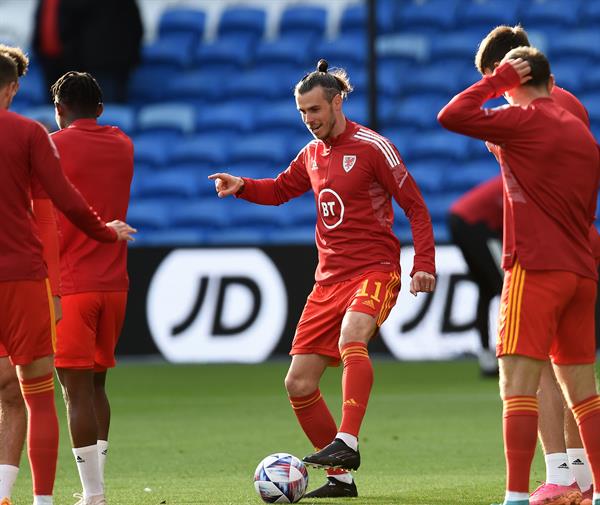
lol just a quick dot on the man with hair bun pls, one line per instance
(551, 169)
(354, 172)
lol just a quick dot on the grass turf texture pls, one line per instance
(194, 435)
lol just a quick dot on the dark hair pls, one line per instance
(79, 91)
(333, 83)
(540, 67)
(13, 64)
(497, 43)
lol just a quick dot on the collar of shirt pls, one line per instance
(86, 124)
(342, 137)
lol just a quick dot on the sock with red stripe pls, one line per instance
(587, 415)
(520, 422)
(42, 432)
(357, 381)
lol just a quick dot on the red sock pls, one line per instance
(315, 418)
(357, 381)
(42, 432)
(587, 415)
(520, 437)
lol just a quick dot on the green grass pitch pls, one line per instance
(194, 435)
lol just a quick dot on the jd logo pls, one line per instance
(216, 305)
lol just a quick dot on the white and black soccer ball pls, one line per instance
(281, 478)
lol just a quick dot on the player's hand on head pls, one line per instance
(124, 231)
(522, 68)
(226, 184)
(422, 282)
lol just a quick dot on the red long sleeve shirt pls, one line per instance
(550, 167)
(99, 161)
(353, 176)
(25, 151)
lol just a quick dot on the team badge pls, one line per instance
(348, 162)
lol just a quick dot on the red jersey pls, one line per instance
(550, 167)
(99, 161)
(27, 151)
(353, 177)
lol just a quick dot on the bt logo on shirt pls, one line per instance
(331, 208)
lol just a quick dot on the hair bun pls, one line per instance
(322, 66)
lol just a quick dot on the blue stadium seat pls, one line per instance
(169, 184)
(179, 20)
(401, 138)
(303, 20)
(429, 175)
(301, 211)
(354, 20)
(461, 45)
(591, 101)
(151, 150)
(441, 233)
(428, 15)
(590, 79)
(174, 237)
(263, 83)
(390, 77)
(177, 117)
(147, 83)
(439, 144)
(238, 236)
(590, 13)
(197, 86)
(44, 114)
(232, 52)
(228, 117)
(289, 51)
(249, 214)
(242, 20)
(568, 75)
(262, 147)
(210, 212)
(32, 88)
(548, 14)
(418, 110)
(574, 44)
(356, 109)
(292, 235)
(438, 205)
(435, 78)
(343, 51)
(467, 175)
(148, 214)
(280, 116)
(487, 14)
(122, 116)
(402, 227)
(403, 46)
(170, 50)
(203, 149)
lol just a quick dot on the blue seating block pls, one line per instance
(289, 50)
(243, 20)
(171, 50)
(180, 20)
(262, 147)
(232, 52)
(548, 13)
(175, 116)
(202, 149)
(427, 15)
(148, 214)
(343, 51)
(303, 20)
(122, 116)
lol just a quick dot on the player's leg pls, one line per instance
(559, 486)
(13, 425)
(372, 297)
(577, 458)
(102, 408)
(74, 362)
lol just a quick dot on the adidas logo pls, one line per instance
(577, 462)
(104, 452)
(80, 459)
(369, 303)
(351, 402)
(564, 466)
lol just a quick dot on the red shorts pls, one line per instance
(28, 330)
(89, 330)
(547, 314)
(318, 331)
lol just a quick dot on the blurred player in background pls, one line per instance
(13, 419)
(28, 330)
(567, 468)
(551, 169)
(99, 162)
(354, 172)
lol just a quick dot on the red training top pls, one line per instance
(26, 151)
(99, 161)
(353, 177)
(550, 167)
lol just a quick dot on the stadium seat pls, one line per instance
(32, 90)
(485, 14)
(590, 80)
(402, 227)
(438, 205)
(429, 175)
(263, 84)
(303, 20)
(590, 13)
(591, 101)
(354, 20)
(575, 44)
(235, 52)
(404, 46)
(434, 78)
(568, 75)
(401, 138)
(440, 145)
(177, 117)
(202, 149)
(151, 150)
(147, 83)
(390, 77)
(292, 235)
(343, 51)
(238, 236)
(180, 20)
(467, 175)
(461, 45)
(174, 237)
(198, 86)
(227, 117)
(441, 233)
(280, 116)
(172, 50)
(242, 21)
(261, 147)
(247, 214)
(44, 114)
(122, 116)
(427, 16)
(301, 211)
(169, 184)
(548, 14)
(148, 214)
(287, 51)
(419, 110)
(210, 212)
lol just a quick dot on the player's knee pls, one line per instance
(10, 393)
(299, 386)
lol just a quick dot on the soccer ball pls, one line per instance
(280, 478)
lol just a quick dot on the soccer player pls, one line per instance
(13, 419)
(567, 468)
(26, 305)
(354, 172)
(551, 169)
(98, 160)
